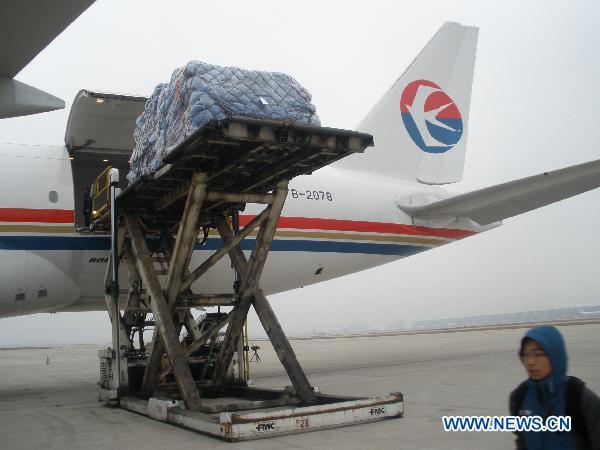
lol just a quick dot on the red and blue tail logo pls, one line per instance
(430, 116)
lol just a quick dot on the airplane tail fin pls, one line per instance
(420, 125)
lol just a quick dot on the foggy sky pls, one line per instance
(534, 108)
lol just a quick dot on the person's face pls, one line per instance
(536, 361)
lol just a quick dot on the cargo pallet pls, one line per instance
(192, 381)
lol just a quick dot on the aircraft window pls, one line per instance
(53, 196)
(19, 296)
(43, 292)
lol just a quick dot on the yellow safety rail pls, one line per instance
(101, 194)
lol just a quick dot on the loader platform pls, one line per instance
(241, 156)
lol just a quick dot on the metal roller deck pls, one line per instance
(240, 155)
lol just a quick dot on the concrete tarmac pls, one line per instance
(54, 406)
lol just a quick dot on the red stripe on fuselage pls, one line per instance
(37, 215)
(302, 223)
(308, 223)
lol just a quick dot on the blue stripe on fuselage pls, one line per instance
(281, 245)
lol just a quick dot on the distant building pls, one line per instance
(547, 315)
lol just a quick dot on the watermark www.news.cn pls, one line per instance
(506, 423)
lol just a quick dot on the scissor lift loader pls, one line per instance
(154, 226)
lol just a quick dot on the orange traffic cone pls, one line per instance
(47, 360)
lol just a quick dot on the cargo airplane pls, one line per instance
(363, 211)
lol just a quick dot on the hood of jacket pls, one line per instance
(553, 344)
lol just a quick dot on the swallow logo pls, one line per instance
(430, 116)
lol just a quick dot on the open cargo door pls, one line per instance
(100, 133)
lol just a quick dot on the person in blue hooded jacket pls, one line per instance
(550, 392)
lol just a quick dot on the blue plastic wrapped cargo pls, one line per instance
(200, 92)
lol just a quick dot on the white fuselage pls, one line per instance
(335, 222)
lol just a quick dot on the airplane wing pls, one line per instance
(26, 28)
(505, 200)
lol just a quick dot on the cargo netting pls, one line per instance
(201, 92)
